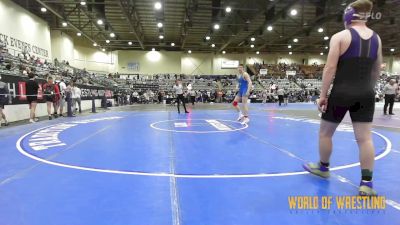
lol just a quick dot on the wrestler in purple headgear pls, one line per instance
(350, 15)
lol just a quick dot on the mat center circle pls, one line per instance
(198, 125)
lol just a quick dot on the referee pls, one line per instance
(390, 93)
(178, 87)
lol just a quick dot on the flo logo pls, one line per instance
(376, 15)
(371, 15)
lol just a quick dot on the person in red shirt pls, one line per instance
(52, 96)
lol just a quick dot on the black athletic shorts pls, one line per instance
(31, 99)
(361, 110)
(50, 98)
(3, 101)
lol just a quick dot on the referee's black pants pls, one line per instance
(280, 98)
(389, 101)
(178, 99)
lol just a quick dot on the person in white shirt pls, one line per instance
(135, 96)
(390, 93)
(191, 93)
(178, 87)
(63, 87)
(76, 98)
(280, 92)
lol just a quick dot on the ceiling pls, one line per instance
(186, 23)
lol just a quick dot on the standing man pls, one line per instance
(4, 95)
(76, 98)
(280, 92)
(354, 59)
(390, 93)
(32, 88)
(285, 97)
(178, 87)
(52, 95)
(63, 87)
(244, 84)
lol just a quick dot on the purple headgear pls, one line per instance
(350, 14)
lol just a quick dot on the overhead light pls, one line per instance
(212, 45)
(228, 9)
(64, 24)
(107, 41)
(392, 49)
(130, 43)
(216, 26)
(223, 52)
(251, 46)
(252, 39)
(161, 36)
(326, 47)
(208, 38)
(295, 40)
(157, 5)
(79, 34)
(94, 44)
(289, 46)
(172, 44)
(320, 30)
(43, 9)
(293, 12)
(112, 35)
(153, 49)
(190, 51)
(326, 38)
(100, 22)
(103, 49)
(159, 25)
(257, 52)
(83, 3)
(321, 53)
(270, 28)
(290, 53)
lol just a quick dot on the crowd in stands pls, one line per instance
(281, 69)
(23, 63)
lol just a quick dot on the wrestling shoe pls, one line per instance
(246, 120)
(317, 169)
(240, 117)
(366, 189)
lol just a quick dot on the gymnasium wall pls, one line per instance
(149, 62)
(21, 30)
(201, 63)
(92, 59)
(396, 65)
(62, 46)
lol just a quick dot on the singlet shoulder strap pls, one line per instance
(354, 33)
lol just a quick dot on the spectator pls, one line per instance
(32, 88)
(286, 97)
(76, 98)
(52, 95)
(63, 88)
(4, 95)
